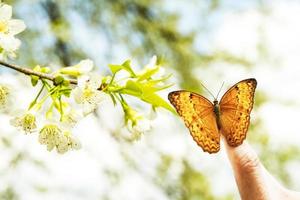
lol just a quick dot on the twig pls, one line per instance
(29, 72)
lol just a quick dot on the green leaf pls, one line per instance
(162, 79)
(32, 104)
(134, 86)
(125, 66)
(58, 80)
(152, 84)
(37, 68)
(66, 92)
(66, 83)
(115, 68)
(45, 70)
(146, 93)
(156, 101)
(148, 73)
(34, 80)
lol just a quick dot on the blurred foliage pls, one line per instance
(142, 28)
(8, 194)
(139, 29)
(191, 184)
(274, 158)
(194, 184)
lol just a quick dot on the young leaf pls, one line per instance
(125, 66)
(147, 73)
(58, 80)
(34, 80)
(115, 68)
(146, 93)
(134, 86)
(156, 101)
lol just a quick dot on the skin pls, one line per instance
(253, 180)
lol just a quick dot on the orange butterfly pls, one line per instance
(206, 121)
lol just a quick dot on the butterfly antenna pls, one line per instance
(207, 90)
(220, 89)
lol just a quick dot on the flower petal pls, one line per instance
(16, 26)
(152, 62)
(9, 43)
(88, 108)
(85, 66)
(82, 81)
(75, 143)
(77, 94)
(5, 12)
(95, 81)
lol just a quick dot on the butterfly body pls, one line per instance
(217, 113)
(207, 121)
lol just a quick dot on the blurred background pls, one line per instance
(199, 40)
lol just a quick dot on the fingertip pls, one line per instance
(242, 157)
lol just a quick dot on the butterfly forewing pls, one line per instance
(197, 113)
(235, 106)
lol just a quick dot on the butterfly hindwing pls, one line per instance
(197, 113)
(235, 106)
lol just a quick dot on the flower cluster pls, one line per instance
(8, 29)
(4, 93)
(136, 123)
(52, 136)
(87, 93)
(26, 122)
(56, 97)
(143, 85)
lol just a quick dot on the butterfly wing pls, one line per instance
(197, 113)
(235, 106)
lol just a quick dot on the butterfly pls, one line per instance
(207, 121)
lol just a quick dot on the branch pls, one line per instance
(29, 72)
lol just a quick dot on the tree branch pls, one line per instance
(29, 72)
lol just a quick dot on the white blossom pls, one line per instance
(152, 70)
(88, 94)
(8, 29)
(7, 25)
(25, 122)
(152, 63)
(71, 117)
(4, 96)
(52, 136)
(139, 125)
(82, 68)
(62, 145)
(142, 125)
(75, 143)
(8, 46)
(136, 123)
